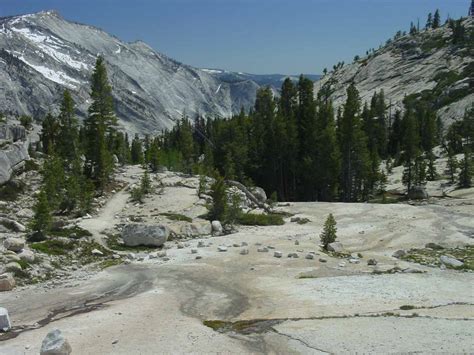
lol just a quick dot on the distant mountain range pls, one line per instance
(42, 54)
(272, 80)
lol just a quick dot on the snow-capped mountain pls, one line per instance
(42, 54)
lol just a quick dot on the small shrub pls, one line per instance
(407, 307)
(249, 219)
(177, 217)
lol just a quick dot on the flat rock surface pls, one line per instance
(310, 307)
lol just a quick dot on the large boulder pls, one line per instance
(260, 194)
(7, 282)
(14, 244)
(146, 235)
(27, 255)
(418, 193)
(217, 227)
(5, 324)
(192, 230)
(336, 247)
(55, 344)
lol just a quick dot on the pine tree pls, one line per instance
(49, 133)
(99, 127)
(137, 150)
(42, 218)
(432, 174)
(436, 20)
(452, 166)
(410, 146)
(355, 165)
(465, 175)
(219, 200)
(68, 144)
(54, 181)
(328, 235)
(429, 21)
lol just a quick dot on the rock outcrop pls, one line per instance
(410, 65)
(12, 159)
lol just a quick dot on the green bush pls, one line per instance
(53, 247)
(250, 219)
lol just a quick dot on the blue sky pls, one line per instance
(255, 36)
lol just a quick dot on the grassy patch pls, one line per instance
(53, 247)
(249, 219)
(177, 217)
(86, 255)
(432, 257)
(75, 232)
(109, 263)
(31, 165)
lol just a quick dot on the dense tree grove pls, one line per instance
(298, 147)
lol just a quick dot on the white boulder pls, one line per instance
(147, 235)
(5, 324)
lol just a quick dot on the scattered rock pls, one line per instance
(222, 248)
(244, 252)
(399, 253)
(371, 262)
(198, 257)
(354, 260)
(194, 251)
(140, 234)
(244, 244)
(293, 255)
(201, 244)
(450, 261)
(236, 245)
(55, 344)
(7, 282)
(262, 250)
(115, 342)
(180, 245)
(162, 254)
(309, 256)
(5, 324)
(323, 260)
(97, 252)
(342, 264)
(14, 244)
(278, 254)
(12, 225)
(412, 271)
(297, 242)
(336, 247)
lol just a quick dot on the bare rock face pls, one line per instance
(146, 235)
(7, 282)
(55, 344)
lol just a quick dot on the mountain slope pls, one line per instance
(43, 53)
(427, 63)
